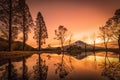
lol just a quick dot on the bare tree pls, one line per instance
(93, 38)
(85, 45)
(114, 25)
(70, 39)
(105, 35)
(40, 31)
(61, 35)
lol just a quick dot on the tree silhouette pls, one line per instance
(14, 17)
(70, 38)
(63, 68)
(10, 72)
(114, 25)
(105, 35)
(85, 39)
(25, 20)
(93, 38)
(40, 69)
(61, 35)
(40, 31)
(24, 69)
(8, 28)
(10, 24)
(111, 71)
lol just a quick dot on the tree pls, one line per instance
(70, 38)
(111, 71)
(64, 67)
(8, 13)
(93, 38)
(10, 73)
(114, 25)
(61, 35)
(40, 31)
(85, 39)
(24, 69)
(10, 24)
(15, 17)
(105, 35)
(25, 19)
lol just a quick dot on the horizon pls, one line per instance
(57, 39)
(82, 18)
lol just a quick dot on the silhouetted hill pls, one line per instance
(16, 45)
(81, 44)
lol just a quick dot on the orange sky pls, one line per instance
(81, 17)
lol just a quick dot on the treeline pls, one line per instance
(16, 19)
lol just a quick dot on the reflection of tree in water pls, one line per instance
(24, 70)
(111, 70)
(10, 72)
(40, 70)
(62, 68)
(70, 62)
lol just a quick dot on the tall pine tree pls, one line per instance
(15, 18)
(8, 24)
(26, 21)
(40, 31)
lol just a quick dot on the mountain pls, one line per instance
(112, 46)
(16, 45)
(82, 44)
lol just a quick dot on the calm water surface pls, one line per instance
(51, 66)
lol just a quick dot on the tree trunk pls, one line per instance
(10, 25)
(85, 50)
(40, 35)
(106, 50)
(62, 48)
(9, 69)
(119, 47)
(24, 70)
(39, 66)
(39, 43)
(94, 47)
(24, 20)
(94, 51)
(24, 41)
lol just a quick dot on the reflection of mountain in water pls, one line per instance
(63, 66)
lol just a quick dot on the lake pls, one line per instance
(53, 66)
